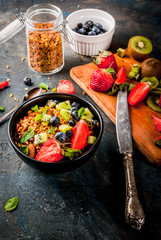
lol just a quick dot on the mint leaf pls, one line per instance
(27, 135)
(44, 86)
(11, 204)
(24, 149)
(38, 117)
(51, 130)
(35, 108)
(2, 108)
(81, 112)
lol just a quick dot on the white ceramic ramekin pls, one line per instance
(90, 45)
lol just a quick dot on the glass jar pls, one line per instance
(45, 37)
(45, 45)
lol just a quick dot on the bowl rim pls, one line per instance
(58, 162)
(95, 36)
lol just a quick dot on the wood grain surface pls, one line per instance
(143, 129)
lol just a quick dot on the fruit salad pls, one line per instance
(56, 131)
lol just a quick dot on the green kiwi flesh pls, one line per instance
(153, 103)
(141, 44)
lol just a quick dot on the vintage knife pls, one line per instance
(134, 214)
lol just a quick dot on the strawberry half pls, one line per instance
(101, 80)
(105, 59)
(138, 93)
(157, 122)
(50, 151)
(3, 84)
(121, 76)
(65, 86)
(80, 134)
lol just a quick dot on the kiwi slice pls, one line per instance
(139, 47)
(152, 81)
(65, 114)
(63, 128)
(153, 103)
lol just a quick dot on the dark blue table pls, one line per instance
(87, 203)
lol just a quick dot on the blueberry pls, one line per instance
(82, 31)
(56, 101)
(27, 81)
(69, 133)
(89, 23)
(86, 27)
(91, 33)
(96, 30)
(61, 137)
(75, 115)
(54, 120)
(74, 109)
(103, 30)
(72, 122)
(99, 26)
(79, 25)
(75, 29)
(75, 104)
(96, 123)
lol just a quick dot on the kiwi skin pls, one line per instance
(151, 67)
(136, 54)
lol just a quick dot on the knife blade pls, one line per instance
(134, 213)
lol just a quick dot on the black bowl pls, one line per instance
(63, 165)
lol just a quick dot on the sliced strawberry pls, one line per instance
(138, 93)
(50, 151)
(65, 86)
(105, 59)
(101, 80)
(160, 101)
(3, 84)
(121, 76)
(157, 122)
(80, 134)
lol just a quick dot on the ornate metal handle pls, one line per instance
(6, 115)
(134, 214)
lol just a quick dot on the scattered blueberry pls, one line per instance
(82, 31)
(99, 26)
(96, 123)
(91, 33)
(56, 101)
(54, 120)
(75, 104)
(27, 81)
(72, 122)
(69, 133)
(61, 137)
(75, 115)
(74, 109)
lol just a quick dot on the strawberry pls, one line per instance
(157, 122)
(80, 134)
(3, 84)
(65, 86)
(121, 76)
(138, 93)
(160, 101)
(50, 151)
(105, 59)
(101, 80)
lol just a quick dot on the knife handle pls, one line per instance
(134, 214)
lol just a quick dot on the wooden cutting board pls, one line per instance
(143, 129)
